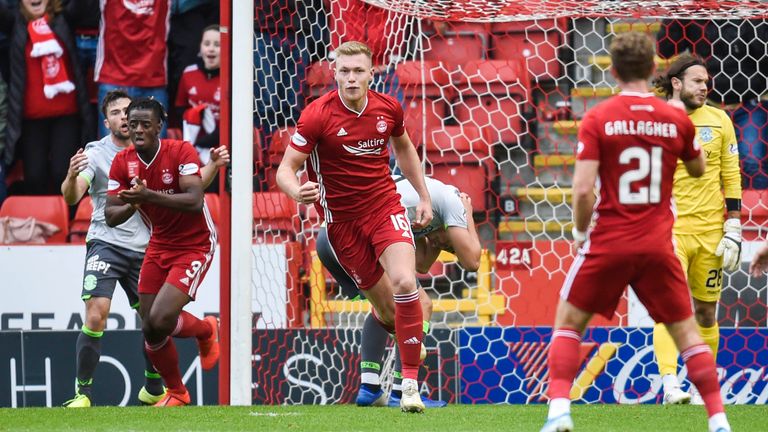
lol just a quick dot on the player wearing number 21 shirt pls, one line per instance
(343, 137)
(628, 148)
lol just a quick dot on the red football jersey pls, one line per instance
(348, 153)
(637, 138)
(132, 47)
(171, 229)
(197, 87)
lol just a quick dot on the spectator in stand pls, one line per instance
(47, 101)
(737, 57)
(132, 52)
(199, 95)
(188, 19)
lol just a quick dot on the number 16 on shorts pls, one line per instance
(400, 223)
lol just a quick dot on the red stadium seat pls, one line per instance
(471, 179)
(281, 139)
(754, 214)
(492, 94)
(426, 87)
(457, 145)
(457, 41)
(423, 114)
(47, 208)
(539, 50)
(78, 228)
(320, 78)
(496, 77)
(459, 47)
(500, 115)
(273, 217)
(424, 79)
(212, 202)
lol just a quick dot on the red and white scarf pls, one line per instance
(45, 45)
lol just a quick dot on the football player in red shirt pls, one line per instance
(344, 134)
(632, 142)
(161, 180)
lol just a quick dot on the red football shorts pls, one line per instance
(184, 269)
(359, 243)
(595, 283)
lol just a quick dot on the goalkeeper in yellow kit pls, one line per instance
(707, 243)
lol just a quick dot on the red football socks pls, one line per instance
(189, 325)
(563, 362)
(409, 332)
(702, 373)
(166, 360)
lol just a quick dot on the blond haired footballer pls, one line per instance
(706, 243)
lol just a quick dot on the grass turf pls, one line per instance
(619, 418)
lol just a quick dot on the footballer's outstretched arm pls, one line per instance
(287, 181)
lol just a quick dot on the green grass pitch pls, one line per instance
(335, 418)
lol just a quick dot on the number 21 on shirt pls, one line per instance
(648, 165)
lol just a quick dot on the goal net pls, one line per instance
(493, 92)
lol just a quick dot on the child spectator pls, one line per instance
(199, 95)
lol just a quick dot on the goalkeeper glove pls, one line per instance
(730, 246)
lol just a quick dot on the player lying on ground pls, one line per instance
(452, 229)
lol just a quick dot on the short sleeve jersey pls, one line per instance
(447, 209)
(131, 234)
(171, 229)
(132, 47)
(348, 154)
(637, 139)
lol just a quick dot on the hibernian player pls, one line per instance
(452, 229)
(707, 243)
(343, 136)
